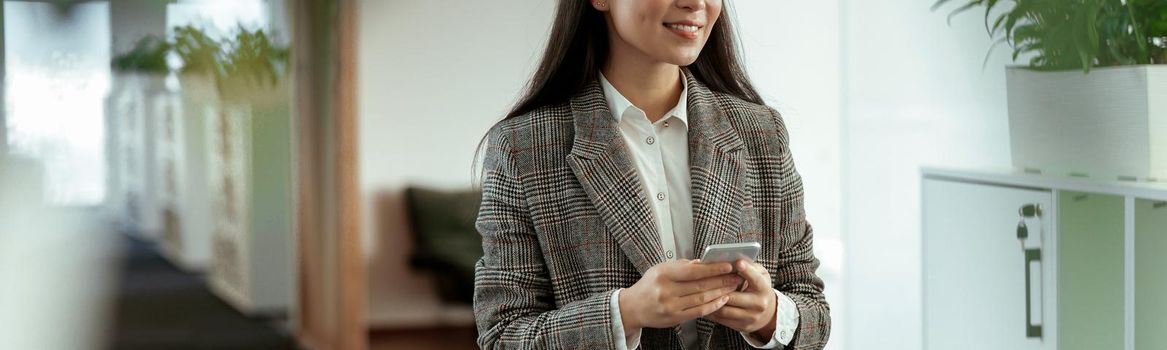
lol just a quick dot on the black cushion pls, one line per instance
(446, 244)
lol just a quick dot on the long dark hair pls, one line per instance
(578, 48)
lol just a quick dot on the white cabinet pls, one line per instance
(250, 167)
(975, 268)
(1021, 261)
(185, 196)
(1090, 270)
(133, 165)
(1150, 273)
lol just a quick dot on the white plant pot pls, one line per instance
(187, 198)
(250, 168)
(1108, 124)
(133, 104)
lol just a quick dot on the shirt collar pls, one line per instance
(619, 104)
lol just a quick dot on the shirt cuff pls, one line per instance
(630, 341)
(786, 321)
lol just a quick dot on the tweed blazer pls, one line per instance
(565, 221)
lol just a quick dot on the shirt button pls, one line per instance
(669, 254)
(650, 140)
(783, 334)
(660, 196)
(666, 124)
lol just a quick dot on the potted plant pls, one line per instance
(201, 68)
(1092, 101)
(138, 91)
(250, 162)
(201, 58)
(144, 67)
(254, 62)
(147, 56)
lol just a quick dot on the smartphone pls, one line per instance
(731, 252)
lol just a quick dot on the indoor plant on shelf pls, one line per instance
(201, 59)
(201, 67)
(147, 56)
(250, 161)
(1093, 100)
(137, 92)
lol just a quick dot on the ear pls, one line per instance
(601, 5)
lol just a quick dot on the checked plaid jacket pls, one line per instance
(565, 221)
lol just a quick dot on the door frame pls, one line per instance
(330, 279)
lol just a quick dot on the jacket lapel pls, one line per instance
(716, 171)
(601, 162)
(715, 168)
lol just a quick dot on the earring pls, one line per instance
(601, 4)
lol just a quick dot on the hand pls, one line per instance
(674, 292)
(752, 310)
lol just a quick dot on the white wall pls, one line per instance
(60, 61)
(914, 93)
(222, 19)
(60, 267)
(433, 77)
(3, 85)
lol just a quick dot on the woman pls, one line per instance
(639, 142)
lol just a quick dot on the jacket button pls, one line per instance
(669, 254)
(660, 196)
(650, 140)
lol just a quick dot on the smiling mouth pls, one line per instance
(683, 27)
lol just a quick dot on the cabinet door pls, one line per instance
(975, 269)
(1150, 274)
(1090, 272)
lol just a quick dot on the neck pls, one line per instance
(651, 86)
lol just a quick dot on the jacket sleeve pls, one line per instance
(514, 306)
(794, 273)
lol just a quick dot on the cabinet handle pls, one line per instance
(1032, 255)
(1031, 330)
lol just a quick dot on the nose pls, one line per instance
(691, 5)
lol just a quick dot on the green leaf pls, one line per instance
(1075, 34)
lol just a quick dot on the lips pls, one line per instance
(684, 29)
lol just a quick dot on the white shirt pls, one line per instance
(661, 153)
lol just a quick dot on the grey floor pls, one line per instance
(162, 307)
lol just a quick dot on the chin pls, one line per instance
(683, 60)
(683, 57)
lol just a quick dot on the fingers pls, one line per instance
(754, 273)
(705, 309)
(733, 314)
(711, 283)
(705, 297)
(735, 318)
(694, 271)
(743, 300)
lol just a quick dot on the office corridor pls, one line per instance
(159, 306)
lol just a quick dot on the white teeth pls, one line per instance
(691, 29)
